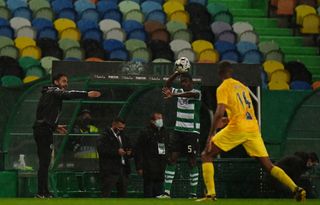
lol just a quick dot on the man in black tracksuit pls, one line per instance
(151, 156)
(47, 116)
(114, 150)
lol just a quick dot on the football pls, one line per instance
(182, 65)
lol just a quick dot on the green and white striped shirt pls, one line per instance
(188, 112)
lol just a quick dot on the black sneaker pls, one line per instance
(300, 194)
(49, 195)
(40, 196)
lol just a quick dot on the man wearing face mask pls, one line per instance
(114, 150)
(151, 152)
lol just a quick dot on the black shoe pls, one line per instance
(40, 196)
(49, 195)
(300, 194)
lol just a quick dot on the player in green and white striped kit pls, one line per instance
(186, 131)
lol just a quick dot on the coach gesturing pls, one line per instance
(47, 116)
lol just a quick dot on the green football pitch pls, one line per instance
(84, 201)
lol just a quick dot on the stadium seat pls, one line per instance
(249, 36)
(15, 4)
(171, 6)
(46, 63)
(141, 54)
(178, 45)
(103, 6)
(276, 55)
(119, 54)
(241, 27)
(252, 57)
(113, 14)
(94, 34)
(130, 25)
(278, 85)
(188, 53)
(228, 36)
(231, 56)
(224, 16)
(115, 33)
(40, 23)
(6, 31)
(45, 13)
(5, 13)
(112, 44)
(267, 46)
(219, 27)
(59, 5)
(27, 62)
(36, 5)
(157, 15)
(208, 56)
(84, 25)
(173, 26)
(302, 11)
(66, 43)
(23, 12)
(67, 13)
(10, 81)
(126, 6)
(108, 24)
(30, 78)
(310, 24)
(90, 14)
(5, 41)
(74, 52)
(182, 34)
(35, 71)
(135, 15)
(139, 34)
(223, 46)
(200, 45)
(180, 16)
(270, 66)
(133, 44)
(150, 26)
(160, 34)
(245, 46)
(82, 5)
(280, 75)
(62, 24)
(26, 31)
(149, 6)
(22, 42)
(215, 8)
(4, 22)
(70, 33)
(47, 32)
(9, 51)
(32, 51)
(18, 22)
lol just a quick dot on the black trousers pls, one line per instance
(152, 187)
(118, 181)
(44, 138)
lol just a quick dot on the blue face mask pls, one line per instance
(158, 123)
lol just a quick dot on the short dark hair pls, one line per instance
(186, 75)
(119, 119)
(58, 76)
(153, 114)
(225, 68)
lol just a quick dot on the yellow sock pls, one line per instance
(279, 174)
(208, 177)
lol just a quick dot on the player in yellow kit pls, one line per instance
(234, 98)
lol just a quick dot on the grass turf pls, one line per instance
(85, 201)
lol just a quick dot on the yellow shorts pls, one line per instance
(251, 141)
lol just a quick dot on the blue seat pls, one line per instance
(300, 85)
(14, 4)
(231, 55)
(149, 6)
(112, 44)
(157, 15)
(119, 54)
(23, 12)
(6, 31)
(90, 14)
(84, 25)
(72, 59)
(252, 57)
(48, 32)
(68, 13)
(41, 23)
(113, 14)
(223, 46)
(244, 46)
(4, 22)
(158, 1)
(131, 25)
(139, 34)
(82, 5)
(103, 6)
(58, 5)
(93, 34)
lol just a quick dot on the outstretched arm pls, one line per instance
(169, 94)
(74, 94)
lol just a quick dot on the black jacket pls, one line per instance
(147, 156)
(50, 104)
(109, 159)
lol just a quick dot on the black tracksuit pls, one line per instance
(150, 161)
(113, 171)
(48, 112)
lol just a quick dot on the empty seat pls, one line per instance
(173, 26)
(244, 46)
(208, 56)
(23, 12)
(68, 13)
(188, 53)
(249, 36)
(149, 6)
(113, 14)
(108, 24)
(223, 46)
(178, 45)
(268, 46)
(74, 52)
(9, 51)
(228, 36)
(70, 33)
(180, 16)
(18, 22)
(112, 44)
(270, 66)
(310, 24)
(200, 45)
(157, 15)
(300, 85)
(22, 42)
(141, 55)
(45, 13)
(150, 26)
(252, 57)
(231, 55)
(90, 14)
(302, 11)
(26, 31)
(280, 75)
(126, 6)
(278, 85)
(32, 51)
(115, 33)
(171, 6)
(276, 55)
(219, 27)
(241, 27)
(135, 15)
(182, 34)
(40, 23)
(82, 5)
(62, 24)
(36, 5)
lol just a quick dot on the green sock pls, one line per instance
(193, 176)
(169, 175)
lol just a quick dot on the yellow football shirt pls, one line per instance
(236, 97)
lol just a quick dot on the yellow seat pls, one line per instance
(22, 42)
(184, 2)
(278, 85)
(30, 78)
(270, 66)
(310, 24)
(200, 45)
(63, 23)
(208, 56)
(302, 11)
(70, 33)
(31, 51)
(171, 6)
(280, 75)
(180, 16)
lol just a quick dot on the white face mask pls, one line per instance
(158, 123)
